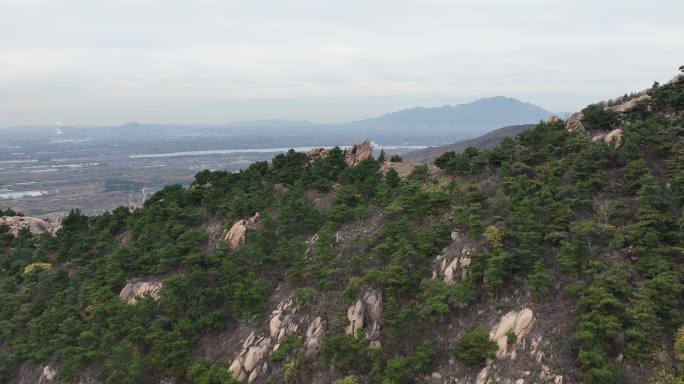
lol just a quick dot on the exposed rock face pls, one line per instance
(34, 224)
(314, 336)
(248, 364)
(519, 322)
(355, 315)
(137, 288)
(614, 138)
(48, 375)
(311, 245)
(451, 265)
(353, 155)
(629, 103)
(366, 311)
(252, 360)
(283, 319)
(358, 153)
(318, 153)
(238, 232)
(482, 376)
(553, 119)
(574, 122)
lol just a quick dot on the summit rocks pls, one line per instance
(358, 153)
(36, 225)
(353, 155)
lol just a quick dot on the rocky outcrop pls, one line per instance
(138, 288)
(283, 320)
(314, 336)
(237, 234)
(366, 314)
(36, 225)
(318, 153)
(48, 372)
(622, 107)
(452, 270)
(355, 315)
(482, 376)
(451, 265)
(614, 138)
(574, 122)
(311, 245)
(252, 360)
(519, 322)
(553, 119)
(353, 155)
(48, 375)
(359, 152)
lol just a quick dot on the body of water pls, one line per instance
(262, 150)
(21, 194)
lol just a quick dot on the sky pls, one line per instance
(99, 62)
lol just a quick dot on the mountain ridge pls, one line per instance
(486, 141)
(554, 257)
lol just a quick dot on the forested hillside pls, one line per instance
(555, 257)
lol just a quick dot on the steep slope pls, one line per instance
(554, 257)
(486, 141)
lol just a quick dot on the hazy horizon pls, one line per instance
(79, 62)
(59, 124)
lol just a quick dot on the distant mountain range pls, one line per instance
(416, 126)
(488, 140)
(496, 110)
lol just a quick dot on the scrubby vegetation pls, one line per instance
(475, 347)
(551, 209)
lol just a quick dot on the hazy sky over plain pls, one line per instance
(211, 61)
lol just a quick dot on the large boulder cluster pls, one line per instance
(353, 155)
(366, 314)
(359, 152)
(574, 122)
(451, 265)
(252, 361)
(36, 225)
(519, 323)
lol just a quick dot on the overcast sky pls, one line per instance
(213, 61)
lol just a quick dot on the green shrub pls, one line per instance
(511, 337)
(288, 345)
(475, 347)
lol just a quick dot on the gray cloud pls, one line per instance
(106, 61)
